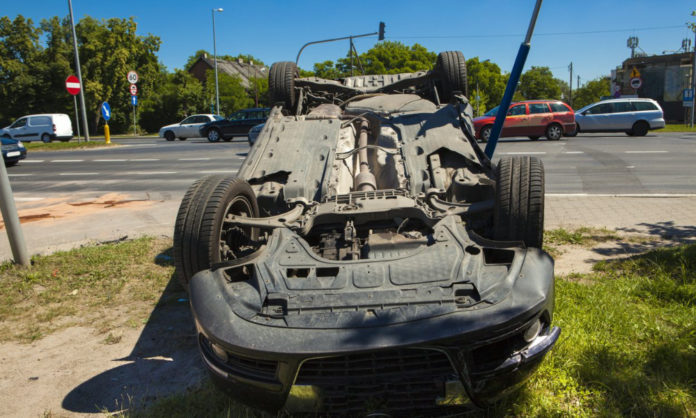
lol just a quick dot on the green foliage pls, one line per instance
(538, 83)
(233, 96)
(491, 82)
(591, 92)
(176, 96)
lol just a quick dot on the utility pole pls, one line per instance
(693, 82)
(79, 74)
(577, 85)
(217, 92)
(9, 215)
(570, 94)
(478, 100)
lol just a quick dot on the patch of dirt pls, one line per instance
(61, 208)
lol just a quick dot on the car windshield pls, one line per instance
(492, 112)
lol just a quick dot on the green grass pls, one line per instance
(674, 127)
(57, 146)
(81, 287)
(581, 236)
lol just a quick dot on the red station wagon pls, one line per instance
(532, 118)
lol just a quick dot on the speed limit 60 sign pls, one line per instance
(132, 77)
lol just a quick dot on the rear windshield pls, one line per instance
(644, 106)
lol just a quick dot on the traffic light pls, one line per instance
(381, 31)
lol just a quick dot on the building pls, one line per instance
(664, 78)
(244, 70)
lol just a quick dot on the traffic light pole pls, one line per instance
(79, 74)
(380, 37)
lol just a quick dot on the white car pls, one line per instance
(45, 127)
(187, 128)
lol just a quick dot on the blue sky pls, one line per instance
(591, 33)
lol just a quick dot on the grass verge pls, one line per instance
(677, 127)
(57, 146)
(85, 286)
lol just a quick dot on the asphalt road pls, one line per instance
(660, 163)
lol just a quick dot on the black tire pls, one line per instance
(534, 138)
(485, 133)
(451, 72)
(518, 214)
(46, 138)
(214, 135)
(182, 139)
(630, 133)
(640, 128)
(169, 136)
(10, 163)
(573, 133)
(199, 229)
(281, 83)
(554, 132)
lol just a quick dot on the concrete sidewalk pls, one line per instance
(671, 217)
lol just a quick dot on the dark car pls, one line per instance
(369, 258)
(531, 118)
(12, 151)
(237, 124)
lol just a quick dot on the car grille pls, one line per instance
(11, 147)
(400, 380)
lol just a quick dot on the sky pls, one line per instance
(591, 34)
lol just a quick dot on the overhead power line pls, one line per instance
(510, 35)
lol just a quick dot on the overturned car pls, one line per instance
(369, 257)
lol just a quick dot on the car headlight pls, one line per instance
(19, 144)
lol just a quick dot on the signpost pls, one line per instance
(106, 114)
(73, 86)
(133, 79)
(636, 82)
(133, 90)
(688, 98)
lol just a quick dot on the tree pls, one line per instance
(491, 83)
(178, 95)
(233, 96)
(591, 92)
(539, 83)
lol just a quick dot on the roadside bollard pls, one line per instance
(107, 136)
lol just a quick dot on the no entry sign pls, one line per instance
(72, 85)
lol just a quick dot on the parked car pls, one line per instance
(369, 259)
(45, 127)
(255, 132)
(12, 151)
(187, 128)
(238, 124)
(531, 118)
(634, 116)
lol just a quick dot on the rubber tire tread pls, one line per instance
(519, 208)
(636, 129)
(451, 67)
(281, 83)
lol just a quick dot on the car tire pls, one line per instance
(534, 138)
(485, 133)
(573, 133)
(169, 136)
(640, 128)
(10, 163)
(554, 132)
(199, 229)
(46, 138)
(182, 139)
(451, 73)
(281, 83)
(630, 133)
(518, 214)
(213, 135)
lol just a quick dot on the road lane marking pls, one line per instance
(630, 166)
(19, 175)
(32, 161)
(67, 161)
(524, 153)
(195, 159)
(28, 199)
(147, 173)
(114, 160)
(574, 152)
(78, 174)
(145, 159)
(646, 152)
(217, 171)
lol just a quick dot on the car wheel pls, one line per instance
(46, 138)
(640, 128)
(213, 135)
(518, 214)
(201, 236)
(485, 133)
(169, 136)
(630, 133)
(451, 72)
(10, 163)
(575, 132)
(534, 138)
(554, 132)
(281, 83)
(182, 139)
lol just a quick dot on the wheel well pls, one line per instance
(641, 121)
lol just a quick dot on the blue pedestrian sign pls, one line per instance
(688, 97)
(134, 100)
(106, 111)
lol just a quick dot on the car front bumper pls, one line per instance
(408, 357)
(11, 155)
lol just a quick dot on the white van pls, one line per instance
(45, 127)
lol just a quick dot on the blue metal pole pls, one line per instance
(512, 83)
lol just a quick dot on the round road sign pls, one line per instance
(132, 77)
(636, 82)
(133, 89)
(72, 85)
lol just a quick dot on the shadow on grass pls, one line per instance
(666, 230)
(163, 362)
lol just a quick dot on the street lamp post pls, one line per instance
(217, 92)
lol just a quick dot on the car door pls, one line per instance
(539, 117)
(596, 118)
(186, 128)
(622, 116)
(18, 129)
(236, 124)
(515, 121)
